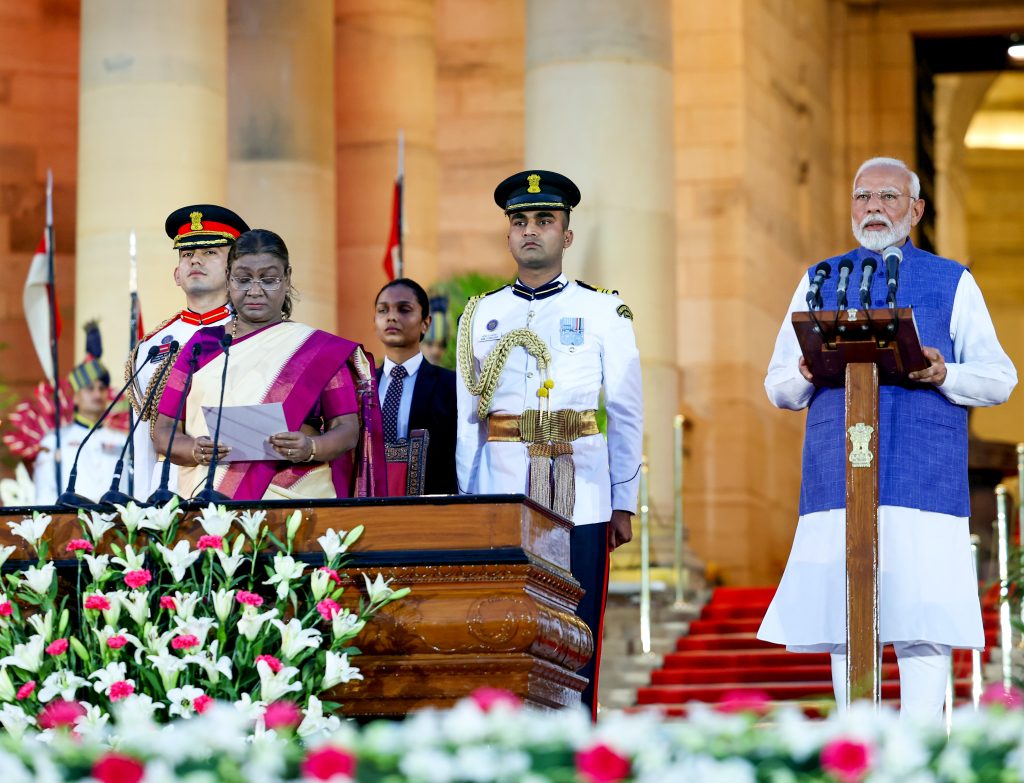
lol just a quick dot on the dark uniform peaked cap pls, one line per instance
(537, 189)
(204, 225)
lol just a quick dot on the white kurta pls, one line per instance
(928, 588)
(95, 465)
(602, 354)
(147, 465)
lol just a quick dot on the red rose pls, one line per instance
(202, 703)
(137, 579)
(117, 768)
(326, 762)
(489, 698)
(282, 715)
(846, 760)
(60, 713)
(601, 764)
(57, 647)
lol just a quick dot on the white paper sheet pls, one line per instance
(247, 429)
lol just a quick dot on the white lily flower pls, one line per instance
(223, 601)
(198, 627)
(315, 723)
(99, 566)
(96, 523)
(137, 605)
(27, 656)
(132, 515)
(319, 583)
(37, 579)
(131, 561)
(331, 543)
(43, 624)
(274, 686)
(6, 552)
(14, 720)
(186, 603)
(378, 590)
(7, 691)
(63, 683)
(159, 519)
(108, 675)
(216, 520)
(210, 663)
(104, 633)
(182, 700)
(295, 638)
(286, 568)
(179, 559)
(291, 525)
(252, 710)
(346, 624)
(18, 491)
(32, 529)
(92, 727)
(116, 599)
(136, 709)
(337, 670)
(252, 621)
(230, 563)
(251, 523)
(168, 666)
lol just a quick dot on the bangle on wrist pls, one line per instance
(312, 449)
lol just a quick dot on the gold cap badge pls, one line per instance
(534, 183)
(197, 221)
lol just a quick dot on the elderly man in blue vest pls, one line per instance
(928, 589)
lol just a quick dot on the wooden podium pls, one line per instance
(859, 349)
(492, 603)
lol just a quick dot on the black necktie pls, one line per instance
(392, 401)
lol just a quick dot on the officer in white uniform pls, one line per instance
(90, 382)
(202, 234)
(533, 359)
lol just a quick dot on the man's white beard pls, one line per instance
(878, 241)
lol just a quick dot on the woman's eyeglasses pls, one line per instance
(245, 283)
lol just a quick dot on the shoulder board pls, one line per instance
(161, 327)
(609, 291)
(488, 293)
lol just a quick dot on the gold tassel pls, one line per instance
(540, 474)
(564, 475)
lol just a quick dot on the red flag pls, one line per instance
(36, 300)
(393, 254)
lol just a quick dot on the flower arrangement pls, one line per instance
(490, 737)
(165, 628)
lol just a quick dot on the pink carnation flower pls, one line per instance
(118, 768)
(60, 713)
(282, 715)
(328, 608)
(97, 602)
(6, 609)
(121, 690)
(846, 760)
(247, 598)
(167, 602)
(57, 647)
(332, 574)
(137, 579)
(751, 700)
(210, 542)
(489, 698)
(1008, 697)
(202, 703)
(327, 763)
(78, 545)
(274, 663)
(116, 642)
(184, 642)
(25, 690)
(601, 764)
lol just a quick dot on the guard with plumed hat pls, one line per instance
(202, 235)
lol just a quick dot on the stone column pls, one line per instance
(281, 137)
(599, 110)
(152, 137)
(385, 67)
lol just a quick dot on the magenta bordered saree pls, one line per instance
(322, 377)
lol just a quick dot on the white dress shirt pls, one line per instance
(411, 366)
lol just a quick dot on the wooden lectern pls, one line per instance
(860, 349)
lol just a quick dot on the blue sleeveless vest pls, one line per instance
(922, 436)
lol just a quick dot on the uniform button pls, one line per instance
(572, 349)
(529, 375)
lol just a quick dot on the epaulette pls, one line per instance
(609, 291)
(488, 293)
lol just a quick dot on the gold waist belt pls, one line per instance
(552, 481)
(561, 426)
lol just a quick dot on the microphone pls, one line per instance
(845, 270)
(69, 497)
(208, 493)
(867, 268)
(114, 496)
(162, 495)
(821, 274)
(892, 256)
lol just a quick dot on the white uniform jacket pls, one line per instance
(593, 348)
(147, 465)
(95, 466)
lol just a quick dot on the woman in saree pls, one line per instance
(334, 445)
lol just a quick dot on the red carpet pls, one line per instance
(721, 654)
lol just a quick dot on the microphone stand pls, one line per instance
(69, 497)
(162, 495)
(114, 496)
(208, 493)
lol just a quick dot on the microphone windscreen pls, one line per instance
(823, 268)
(892, 253)
(847, 264)
(225, 341)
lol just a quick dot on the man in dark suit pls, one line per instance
(415, 394)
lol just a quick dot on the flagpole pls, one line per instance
(400, 180)
(133, 338)
(53, 330)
